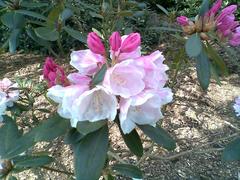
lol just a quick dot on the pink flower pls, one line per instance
(155, 70)
(115, 41)
(125, 79)
(77, 78)
(235, 39)
(131, 43)
(229, 10)
(53, 73)
(95, 43)
(183, 20)
(215, 8)
(144, 108)
(86, 62)
(8, 95)
(8, 89)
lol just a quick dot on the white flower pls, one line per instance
(143, 109)
(94, 105)
(236, 106)
(7, 95)
(66, 96)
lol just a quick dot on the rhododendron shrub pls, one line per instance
(210, 25)
(115, 85)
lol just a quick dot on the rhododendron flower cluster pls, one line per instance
(133, 85)
(224, 23)
(236, 106)
(8, 95)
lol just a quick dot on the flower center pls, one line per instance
(119, 79)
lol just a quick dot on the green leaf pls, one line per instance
(73, 136)
(163, 9)
(125, 13)
(159, 136)
(215, 74)
(67, 13)
(232, 151)
(2, 3)
(76, 34)
(9, 134)
(86, 127)
(204, 7)
(217, 60)
(33, 4)
(13, 20)
(203, 70)
(47, 33)
(98, 78)
(13, 40)
(133, 141)
(52, 128)
(54, 14)
(90, 154)
(32, 161)
(193, 45)
(23, 144)
(32, 14)
(11, 178)
(37, 39)
(128, 170)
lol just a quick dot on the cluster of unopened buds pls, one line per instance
(132, 87)
(8, 95)
(223, 23)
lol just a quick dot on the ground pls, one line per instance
(201, 122)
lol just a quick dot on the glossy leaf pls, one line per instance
(90, 154)
(163, 9)
(98, 78)
(203, 70)
(128, 170)
(193, 46)
(33, 4)
(67, 13)
(56, 125)
(9, 135)
(232, 151)
(217, 60)
(47, 33)
(13, 40)
(13, 20)
(32, 14)
(85, 127)
(159, 136)
(54, 14)
(76, 34)
(32, 161)
(133, 142)
(37, 39)
(204, 7)
(73, 136)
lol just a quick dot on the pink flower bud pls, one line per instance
(235, 39)
(183, 20)
(215, 8)
(131, 43)
(115, 41)
(53, 73)
(95, 43)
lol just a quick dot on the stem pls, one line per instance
(60, 44)
(115, 156)
(51, 50)
(57, 170)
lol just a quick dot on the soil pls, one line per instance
(201, 123)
